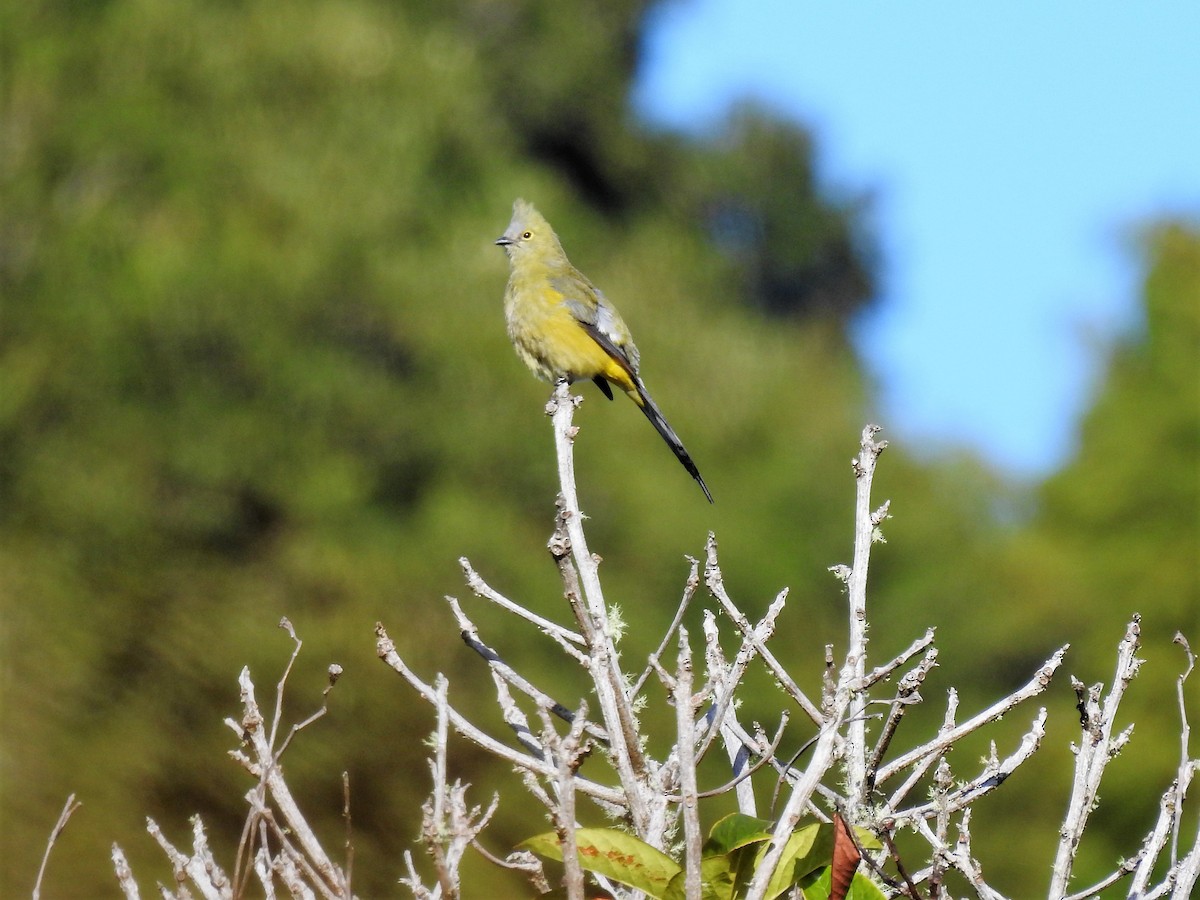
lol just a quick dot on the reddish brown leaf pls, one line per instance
(845, 859)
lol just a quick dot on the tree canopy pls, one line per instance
(254, 365)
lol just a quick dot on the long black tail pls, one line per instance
(654, 414)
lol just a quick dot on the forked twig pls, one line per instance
(68, 810)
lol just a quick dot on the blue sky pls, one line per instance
(1013, 150)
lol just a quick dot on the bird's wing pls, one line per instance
(618, 353)
(611, 333)
(591, 309)
(579, 297)
(609, 322)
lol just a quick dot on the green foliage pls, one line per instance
(793, 254)
(1125, 510)
(613, 854)
(253, 365)
(816, 886)
(1115, 532)
(735, 846)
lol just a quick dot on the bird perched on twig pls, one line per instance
(563, 327)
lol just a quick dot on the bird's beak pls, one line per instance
(503, 241)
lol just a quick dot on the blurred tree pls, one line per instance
(1113, 533)
(252, 348)
(253, 365)
(559, 75)
(794, 252)
(1125, 509)
(1117, 532)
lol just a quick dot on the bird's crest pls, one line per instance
(526, 218)
(529, 229)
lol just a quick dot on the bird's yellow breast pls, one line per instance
(552, 342)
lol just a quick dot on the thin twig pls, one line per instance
(1038, 683)
(994, 774)
(885, 835)
(689, 591)
(764, 758)
(470, 635)
(879, 673)
(1108, 881)
(68, 810)
(715, 582)
(386, 650)
(286, 625)
(1186, 767)
(485, 591)
(333, 674)
(906, 695)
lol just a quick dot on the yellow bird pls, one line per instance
(563, 327)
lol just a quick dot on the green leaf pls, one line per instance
(717, 877)
(728, 868)
(866, 839)
(734, 831)
(616, 855)
(815, 886)
(802, 853)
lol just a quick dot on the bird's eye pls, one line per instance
(527, 235)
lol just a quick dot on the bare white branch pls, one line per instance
(68, 810)
(993, 775)
(485, 591)
(866, 532)
(685, 746)
(1096, 749)
(758, 634)
(504, 674)
(1037, 684)
(386, 649)
(659, 800)
(124, 874)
